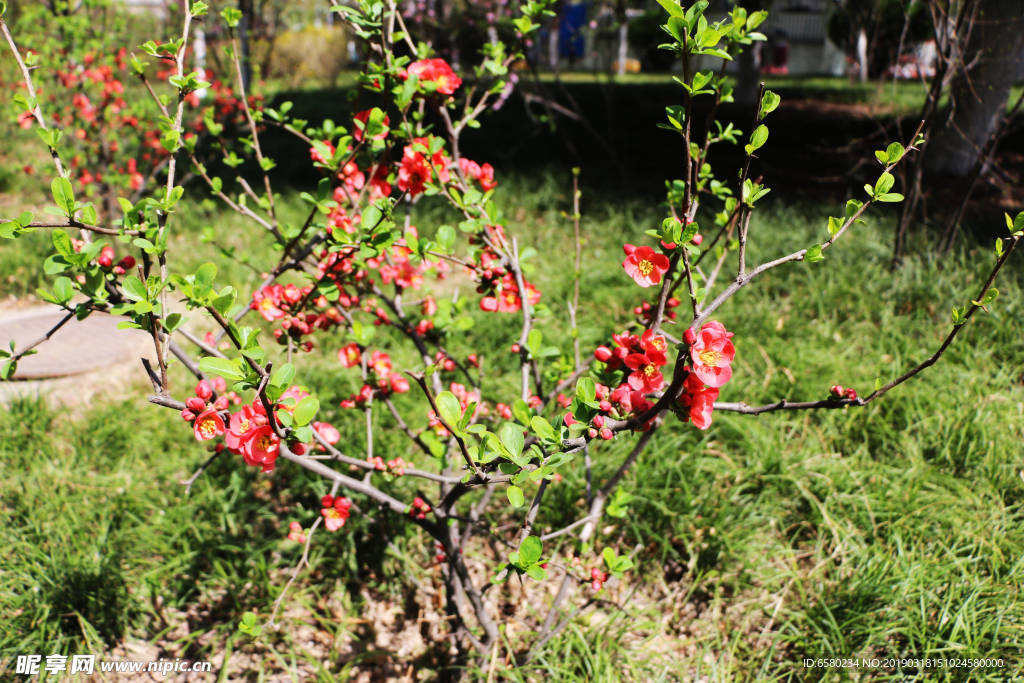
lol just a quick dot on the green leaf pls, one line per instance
(134, 289)
(283, 376)
(894, 153)
(672, 8)
(989, 297)
(769, 103)
(890, 197)
(757, 139)
(62, 243)
(446, 237)
(586, 390)
(884, 184)
(834, 225)
(62, 289)
(813, 254)
(511, 437)
(530, 550)
(536, 572)
(449, 408)
(306, 410)
(204, 280)
(515, 496)
(221, 366)
(542, 428)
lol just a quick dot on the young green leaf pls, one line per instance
(305, 411)
(449, 408)
(221, 366)
(515, 496)
(530, 550)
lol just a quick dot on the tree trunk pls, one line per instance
(979, 95)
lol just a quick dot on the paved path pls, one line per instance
(90, 354)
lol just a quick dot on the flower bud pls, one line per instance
(295, 526)
(850, 394)
(128, 262)
(569, 419)
(689, 336)
(204, 390)
(836, 391)
(592, 433)
(599, 421)
(515, 348)
(603, 354)
(596, 585)
(697, 239)
(606, 407)
(606, 434)
(187, 415)
(327, 501)
(221, 403)
(298, 449)
(196, 404)
(489, 304)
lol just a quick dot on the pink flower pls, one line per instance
(327, 432)
(242, 426)
(646, 374)
(349, 355)
(380, 363)
(436, 71)
(295, 533)
(712, 354)
(399, 384)
(645, 266)
(335, 511)
(208, 425)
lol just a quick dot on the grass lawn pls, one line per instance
(892, 531)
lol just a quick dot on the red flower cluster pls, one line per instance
(482, 174)
(838, 392)
(416, 169)
(434, 71)
(649, 311)
(419, 508)
(503, 292)
(335, 511)
(712, 354)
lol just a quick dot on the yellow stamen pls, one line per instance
(710, 358)
(645, 267)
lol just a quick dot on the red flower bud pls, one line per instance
(221, 403)
(599, 421)
(606, 434)
(592, 433)
(697, 239)
(603, 354)
(128, 262)
(836, 391)
(196, 404)
(204, 390)
(689, 336)
(515, 348)
(850, 394)
(596, 585)
(187, 415)
(569, 419)
(327, 501)
(606, 407)
(489, 304)
(298, 449)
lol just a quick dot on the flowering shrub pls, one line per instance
(356, 262)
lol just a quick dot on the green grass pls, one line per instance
(893, 530)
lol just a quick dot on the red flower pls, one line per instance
(486, 178)
(266, 301)
(701, 407)
(646, 374)
(436, 71)
(208, 425)
(349, 355)
(413, 173)
(380, 363)
(262, 448)
(645, 266)
(399, 384)
(712, 354)
(335, 512)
